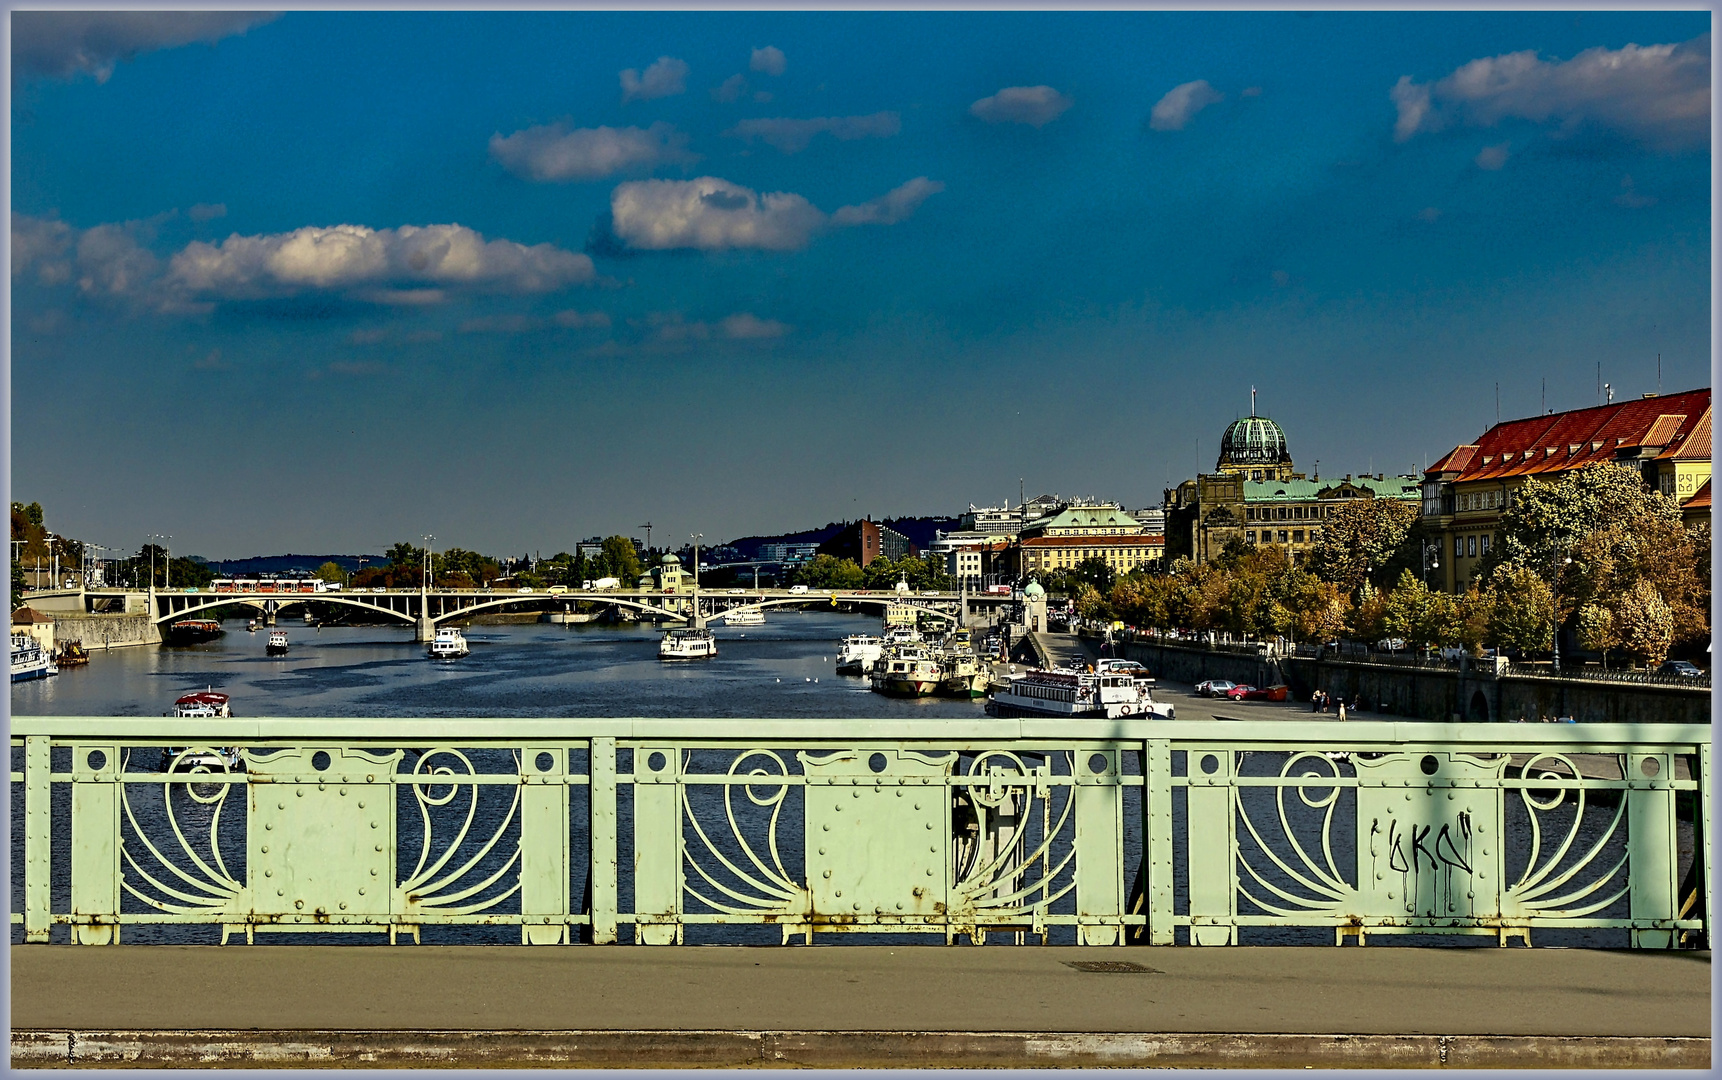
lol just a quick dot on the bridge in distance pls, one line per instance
(428, 608)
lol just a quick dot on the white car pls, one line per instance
(798, 588)
(1214, 687)
(524, 588)
(737, 592)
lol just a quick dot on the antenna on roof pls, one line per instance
(1497, 402)
(1599, 382)
(1252, 400)
(1658, 374)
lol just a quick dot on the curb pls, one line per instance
(43, 1048)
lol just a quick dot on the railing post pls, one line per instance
(95, 844)
(602, 792)
(544, 858)
(657, 844)
(37, 839)
(1099, 845)
(1650, 845)
(1701, 849)
(1210, 836)
(1157, 837)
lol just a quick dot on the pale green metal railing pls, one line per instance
(1126, 831)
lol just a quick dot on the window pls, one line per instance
(1470, 546)
(1483, 545)
(1297, 536)
(1458, 547)
(1282, 536)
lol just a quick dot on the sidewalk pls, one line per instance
(856, 1005)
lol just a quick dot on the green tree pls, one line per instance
(1646, 624)
(1522, 616)
(1406, 610)
(17, 585)
(619, 559)
(331, 571)
(1363, 540)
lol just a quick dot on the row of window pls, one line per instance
(1470, 547)
(1293, 536)
(1287, 513)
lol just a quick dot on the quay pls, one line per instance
(858, 1005)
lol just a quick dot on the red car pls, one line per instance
(1246, 692)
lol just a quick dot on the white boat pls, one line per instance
(568, 618)
(277, 642)
(30, 660)
(1067, 692)
(744, 617)
(687, 644)
(857, 653)
(202, 704)
(449, 644)
(906, 671)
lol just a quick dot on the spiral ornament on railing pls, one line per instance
(207, 887)
(429, 887)
(768, 888)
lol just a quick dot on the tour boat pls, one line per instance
(192, 631)
(1067, 693)
(906, 671)
(72, 653)
(687, 644)
(203, 704)
(30, 660)
(277, 642)
(744, 617)
(449, 644)
(857, 654)
(964, 675)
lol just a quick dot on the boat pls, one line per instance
(1066, 692)
(449, 644)
(277, 642)
(191, 631)
(202, 704)
(30, 660)
(72, 654)
(687, 644)
(857, 653)
(252, 626)
(569, 618)
(906, 671)
(965, 675)
(744, 617)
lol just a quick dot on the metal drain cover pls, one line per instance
(1122, 967)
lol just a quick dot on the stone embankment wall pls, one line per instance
(105, 631)
(1440, 694)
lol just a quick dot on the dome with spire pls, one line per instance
(1253, 442)
(1034, 591)
(670, 559)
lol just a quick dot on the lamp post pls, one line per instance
(1555, 595)
(695, 537)
(152, 547)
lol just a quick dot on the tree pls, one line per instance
(1522, 616)
(1363, 539)
(1596, 630)
(1405, 612)
(1646, 624)
(1369, 615)
(618, 559)
(17, 585)
(331, 571)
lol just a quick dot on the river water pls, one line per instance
(522, 670)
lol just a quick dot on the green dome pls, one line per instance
(1253, 440)
(671, 560)
(1034, 590)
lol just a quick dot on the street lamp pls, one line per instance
(152, 547)
(695, 537)
(1555, 595)
(425, 580)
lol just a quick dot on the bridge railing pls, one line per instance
(661, 831)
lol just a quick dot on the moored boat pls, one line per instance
(857, 653)
(201, 704)
(964, 676)
(1064, 692)
(30, 660)
(744, 617)
(72, 654)
(906, 671)
(687, 644)
(191, 631)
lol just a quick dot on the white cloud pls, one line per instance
(553, 152)
(112, 263)
(41, 244)
(60, 44)
(207, 211)
(1033, 105)
(730, 90)
(746, 326)
(665, 78)
(792, 135)
(710, 214)
(1181, 102)
(891, 207)
(1493, 157)
(409, 265)
(1656, 94)
(768, 61)
(671, 329)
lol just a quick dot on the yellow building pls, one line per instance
(1081, 531)
(1665, 439)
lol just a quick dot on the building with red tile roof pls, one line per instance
(1665, 439)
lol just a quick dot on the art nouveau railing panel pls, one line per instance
(673, 831)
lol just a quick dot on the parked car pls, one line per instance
(798, 588)
(1684, 668)
(1391, 644)
(1454, 652)
(1214, 687)
(737, 592)
(1258, 693)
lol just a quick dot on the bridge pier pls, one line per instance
(424, 628)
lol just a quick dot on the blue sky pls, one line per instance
(328, 280)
